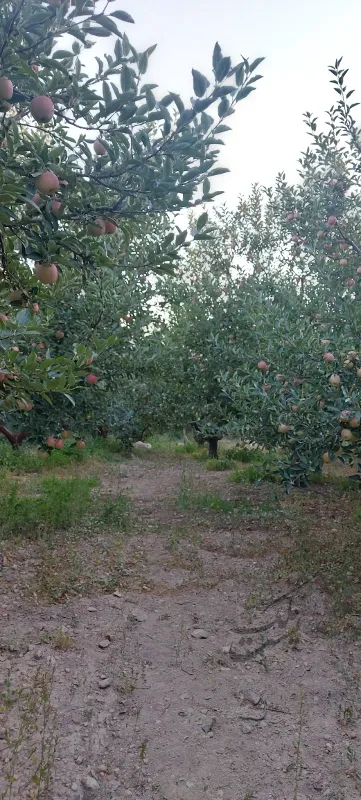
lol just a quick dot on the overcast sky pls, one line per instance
(299, 40)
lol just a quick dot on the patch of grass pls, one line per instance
(218, 464)
(31, 743)
(114, 512)
(332, 554)
(250, 474)
(246, 455)
(106, 449)
(26, 459)
(60, 504)
(190, 498)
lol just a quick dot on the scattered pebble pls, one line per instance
(89, 783)
(104, 683)
(137, 615)
(226, 649)
(208, 726)
(74, 787)
(2, 733)
(252, 697)
(246, 728)
(199, 633)
(38, 655)
(103, 644)
(92, 608)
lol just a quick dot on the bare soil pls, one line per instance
(181, 662)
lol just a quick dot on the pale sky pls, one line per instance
(298, 39)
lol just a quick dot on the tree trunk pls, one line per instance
(213, 447)
(15, 439)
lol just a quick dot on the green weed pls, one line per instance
(114, 512)
(244, 454)
(218, 464)
(60, 504)
(189, 498)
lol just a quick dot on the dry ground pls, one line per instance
(182, 660)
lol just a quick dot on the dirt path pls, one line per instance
(201, 678)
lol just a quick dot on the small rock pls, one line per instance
(79, 760)
(252, 697)
(246, 728)
(104, 644)
(199, 633)
(89, 783)
(138, 615)
(38, 655)
(104, 683)
(226, 649)
(208, 726)
(74, 787)
(102, 767)
(92, 608)
(2, 733)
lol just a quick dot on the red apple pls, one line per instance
(91, 379)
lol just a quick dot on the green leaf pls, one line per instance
(222, 68)
(201, 221)
(23, 317)
(200, 83)
(126, 79)
(206, 186)
(107, 23)
(62, 54)
(223, 107)
(244, 92)
(255, 64)
(240, 75)
(217, 56)
(123, 15)
(143, 63)
(218, 171)
(69, 397)
(93, 31)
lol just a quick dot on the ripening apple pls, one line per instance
(43, 454)
(96, 228)
(65, 434)
(47, 182)
(36, 308)
(351, 282)
(3, 318)
(358, 372)
(358, 270)
(295, 408)
(91, 379)
(282, 428)
(343, 262)
(329, 357)
(99, 148)
(263, 366)
(46, 273)
(51, 441)
(59, 335)
(80, 445)
(326, 458)
(335, 380)
(42, 108)
(6, 88)
(59, 444)
(354, 422)
(332, 220)
(347, 435)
